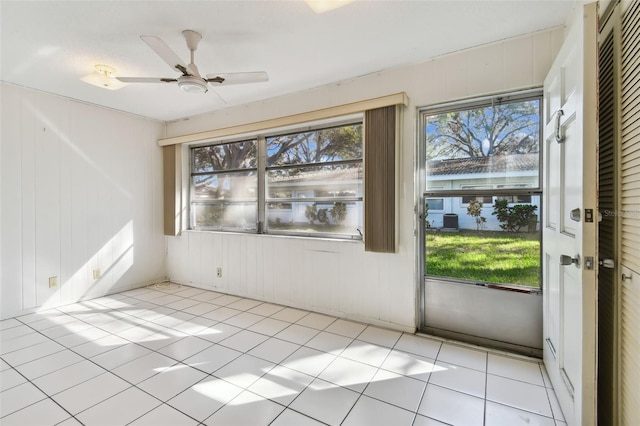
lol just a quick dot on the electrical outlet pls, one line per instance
(219, 272)
(53, 282)
(96, 274)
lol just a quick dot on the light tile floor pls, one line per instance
(176, 355)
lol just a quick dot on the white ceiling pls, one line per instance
(50, 45)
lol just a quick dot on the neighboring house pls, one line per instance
(323, 187)
(480, 173)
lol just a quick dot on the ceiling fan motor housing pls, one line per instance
(192, 84)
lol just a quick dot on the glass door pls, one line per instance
(481, 214)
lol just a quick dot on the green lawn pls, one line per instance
(485, 256)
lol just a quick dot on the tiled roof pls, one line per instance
(346, 174)
(480, 165)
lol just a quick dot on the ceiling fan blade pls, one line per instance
(146, 80)
(164, 51)
(227, 79)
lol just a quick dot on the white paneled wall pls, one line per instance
(338, 277)
(333, 277)
(80, 191)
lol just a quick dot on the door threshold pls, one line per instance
(490, 345)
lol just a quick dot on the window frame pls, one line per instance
(474, 191)
(509, 197)
(192, 203)
(490, 190)
(262, 227)
(314, 199)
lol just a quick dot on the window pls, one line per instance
(318, 174)
(312, 184)
(484, 199)
(224, 186)
(515, 199)
(435, 204)
(487, 154)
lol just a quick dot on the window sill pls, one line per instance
(279, 236)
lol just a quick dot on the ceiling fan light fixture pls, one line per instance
(192, 84)
(322, 6)
(103, 77)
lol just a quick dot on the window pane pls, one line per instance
(484, 199)
(484, 243)
(232, 216)
(495, 145)
(311, 218)
(319, 146)
(435, 204)
(523, 198)
(226, 186)
(229, 156)
(335, 181)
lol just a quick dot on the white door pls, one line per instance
(569, 233)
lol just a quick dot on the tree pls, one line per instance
(215, 158)
(238, 155)
(335, 144)
(474, 209)
(501, 129)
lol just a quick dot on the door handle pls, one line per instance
(559, 135)
(575, 215)
(568, 260)
(607, 263)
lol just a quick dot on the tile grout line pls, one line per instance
(47, 396)
(80, 383)
(246, 352)
(154, 325)
(243, 353)
(132, 385)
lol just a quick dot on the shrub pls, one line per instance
(426, 216)
(514, 218)
(338, 212)
(311, 213)
(323, 217)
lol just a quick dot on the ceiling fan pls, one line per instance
(191, 81)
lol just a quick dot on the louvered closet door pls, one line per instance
(630, 218)
(607, 229)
